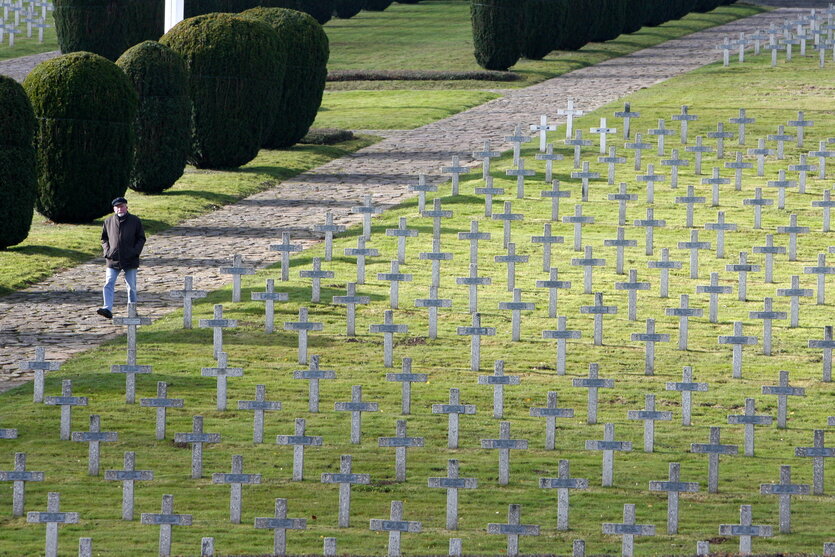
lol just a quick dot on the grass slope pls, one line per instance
(714, 94)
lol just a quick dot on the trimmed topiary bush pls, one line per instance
(321, 10)
(544, 20)
(575, 32)
(163, 120)
(498, 30)
(611, 18)
(85, 106)
(307, 70)
(17, 163)
(377, 5)
(345, 9)
(236, 68)
(192, 8)
(703, 6)
(658, 12)
(635, 15)
(107, 27)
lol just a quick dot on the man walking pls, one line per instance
(122, 240)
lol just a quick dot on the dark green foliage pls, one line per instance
(658, 12)
(107, 27)
(236, 67)
(408, 1)
(347, 8)
(684, 7)
(544, 21)
(635, 15)
(304, 83)
(17, 163)
(193, 8)
(377, 5)
(85, 107)
(498, 32)
(611, 15)
(703, 6)
(163, 120)
(326, 136)
(321, 10)
(575, 32)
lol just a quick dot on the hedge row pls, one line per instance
(505, 30)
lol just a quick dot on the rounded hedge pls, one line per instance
(236, 68)
(320, 10)
(17, 163)
(575, 32)
(703, 6)
(107, 27)
(610, 21)
(85, 106)
(345, 9)
(498, 31)
(377, 5)
(162, 123)
(543, 22)
(304, 80)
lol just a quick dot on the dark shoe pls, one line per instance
(105, 313)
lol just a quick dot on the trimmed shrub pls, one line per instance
(684, 7)
(575, 32)
(192, 8)
(321, 10)
(85, 106)
(407, 1)
(377, 5)
(107, 27)
(162, 123)
(635, 15)
(307, 50)
(658, 12)
(17, 163)
(611, 15)
(345, 9)
(703, 6)
(545, 19)
(236, 68)
(498, 30)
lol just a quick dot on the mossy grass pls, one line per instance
(714, 93)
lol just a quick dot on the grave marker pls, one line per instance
(649, 415)
(593, 383)
(454, 409)
(827, 344)
(285, 248)
(720, 135)
(367, 210)
(795, 293)
(511, 259)
(517, 139)
(622, 198)
(588, 262)
(66, 401)
(619, 244)
(578, 143)
(714, 182)
(827, 204)
(563, 484)
(39, 365)
(749, 420)
(685, 117)
(498, 380)
(602, 130)
(783, 391)
(313, 375)
(361, 252)
(821, 270)
(664, 265)
(738, 166)
(196, 438)
(555, 194)
(632, 286)
(767, 316)
(684, 312)
(737, 340)
(401, 233)
(423, 188)
(235, 480)
(761, 153)
(713, 448)
(822, 154)
(650, 178)
(131, 368)
(400, 442)
(316, 274)
(388, 329)
(162, 403)
(217, 323)
(785, 489)
(52, 518)
(94, 436)
(628, 530)
(237, 270)
(303, 327)
(261, 405)
(395, 277)
(608, 446)
(598, 310)
(395, 525)
(742, 269)
(473, 282)
(674, 162)
(452, 483)
(584, 176)
(549, 157)
(700, 150)
(165, 520)
(474, 237)
(222, 372)
(578, 220)
(638, 146)
(660, 133)
(455, 171)
(551, 413)
(745, 530)
(356, 407)
(713, 290)
(547, 240)
(520, 172)
(686, 387)
(433, 303)
(650, 223)
(627, 114)
(345, 478)
(817, 452)
(19, 476)
(694, 245)
(299, 441)
(350, 300)
(513, 529)
(504, 444)
(484, 156)
(279, 523)
(802, 169)
(269, 297)
(561, 334)
(507, 217)
(406, 378)
(673, 487)
(569, 112)
(781, 137)
(329, 229)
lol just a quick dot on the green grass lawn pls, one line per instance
(715, 94)
(24, 46)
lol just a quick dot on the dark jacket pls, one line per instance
(122, 241)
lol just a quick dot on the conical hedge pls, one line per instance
(107, 27)
(703, 6)
(498, 31)
(635, 15)
(307, 69)
(544, 21)
(611, 18)
(17, 163)
(163, 120)
(377, 5)
(575, 32)
(236, 67)
(320, 10)
(346, 9)
(85, 106)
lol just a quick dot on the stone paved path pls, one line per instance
(59, 313)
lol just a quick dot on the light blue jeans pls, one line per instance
(110, 284)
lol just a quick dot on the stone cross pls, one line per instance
(699, 150)
(561, 335)
(452, 483)
(650, 178)
(578, 220)
(423, 188)
(555, 194)
(39, 365)
(632, 287)
(691, 199)
(454, 409)
(261, 405)
(299, 441)
(52, 518)
(817, 452)
(19, 476)
(394, 277)
(350, 300)
(484, 156)
(726, 48)
(66, 401)
(720, 226)
(758, 202)
(504, 444)
(217, 323)
(517, 139)
(638, 146)
(684, 118)
(236, 480)
(827, 203)
(720, 135)
(388, 329)
(714, 182)
(316, 274)
(511, 259)
(584, 176)
(619, 244)
(664, 265)
(602, 130)
(822, 154)
(713, 449)
(674, 162)
(222, 372)
(303, 327)
(436, 257)
(569, 112)
(785, 489)
(162, 403)
(269, 297)
(801, 124)
(782, 185)
(406, 378)
(588, 262)
(165, 520)
(356, 407)
(743, 268)
(650, 224)
(650, 338)
(627, 114)
(598, 310)
(433, 303)
(649, 415)
(684, 312)
(285, 248)
(361, 252)
(783, 391)
(608, 446)
(593, 383)
(781, 137)
(821, 270)
(758, 37)
(745, 530)
(738, 166)
(236, 270)
(578, 142)
(313, 375)
(761, 153)
(520, 172)
(749, 420)
(400, 442)
(741, 121)
(507, 217)
(660, 133)
(473, 282)
(802, 169)
(795, 293)
(279, 523)
(474, 237)
(345, 478)
(94, 436)
(769, 250)
(551, 413)
(686, 387)
(628, 530)
(563, 484)
(131, 369)
(367, 210)
(513, 529)
(827, 344)
(196, 438)
(401, 233)
(767, 315)
(713, 290)
(673, 487)
(549, 157)
(737, 340)
(547, 240)
(622, 197)
(694, 245)
(395, 526)
(329, 229)
(498, 380)
(455, 171)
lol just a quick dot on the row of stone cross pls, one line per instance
(21, 16)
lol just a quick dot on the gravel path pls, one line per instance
(59, 313)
